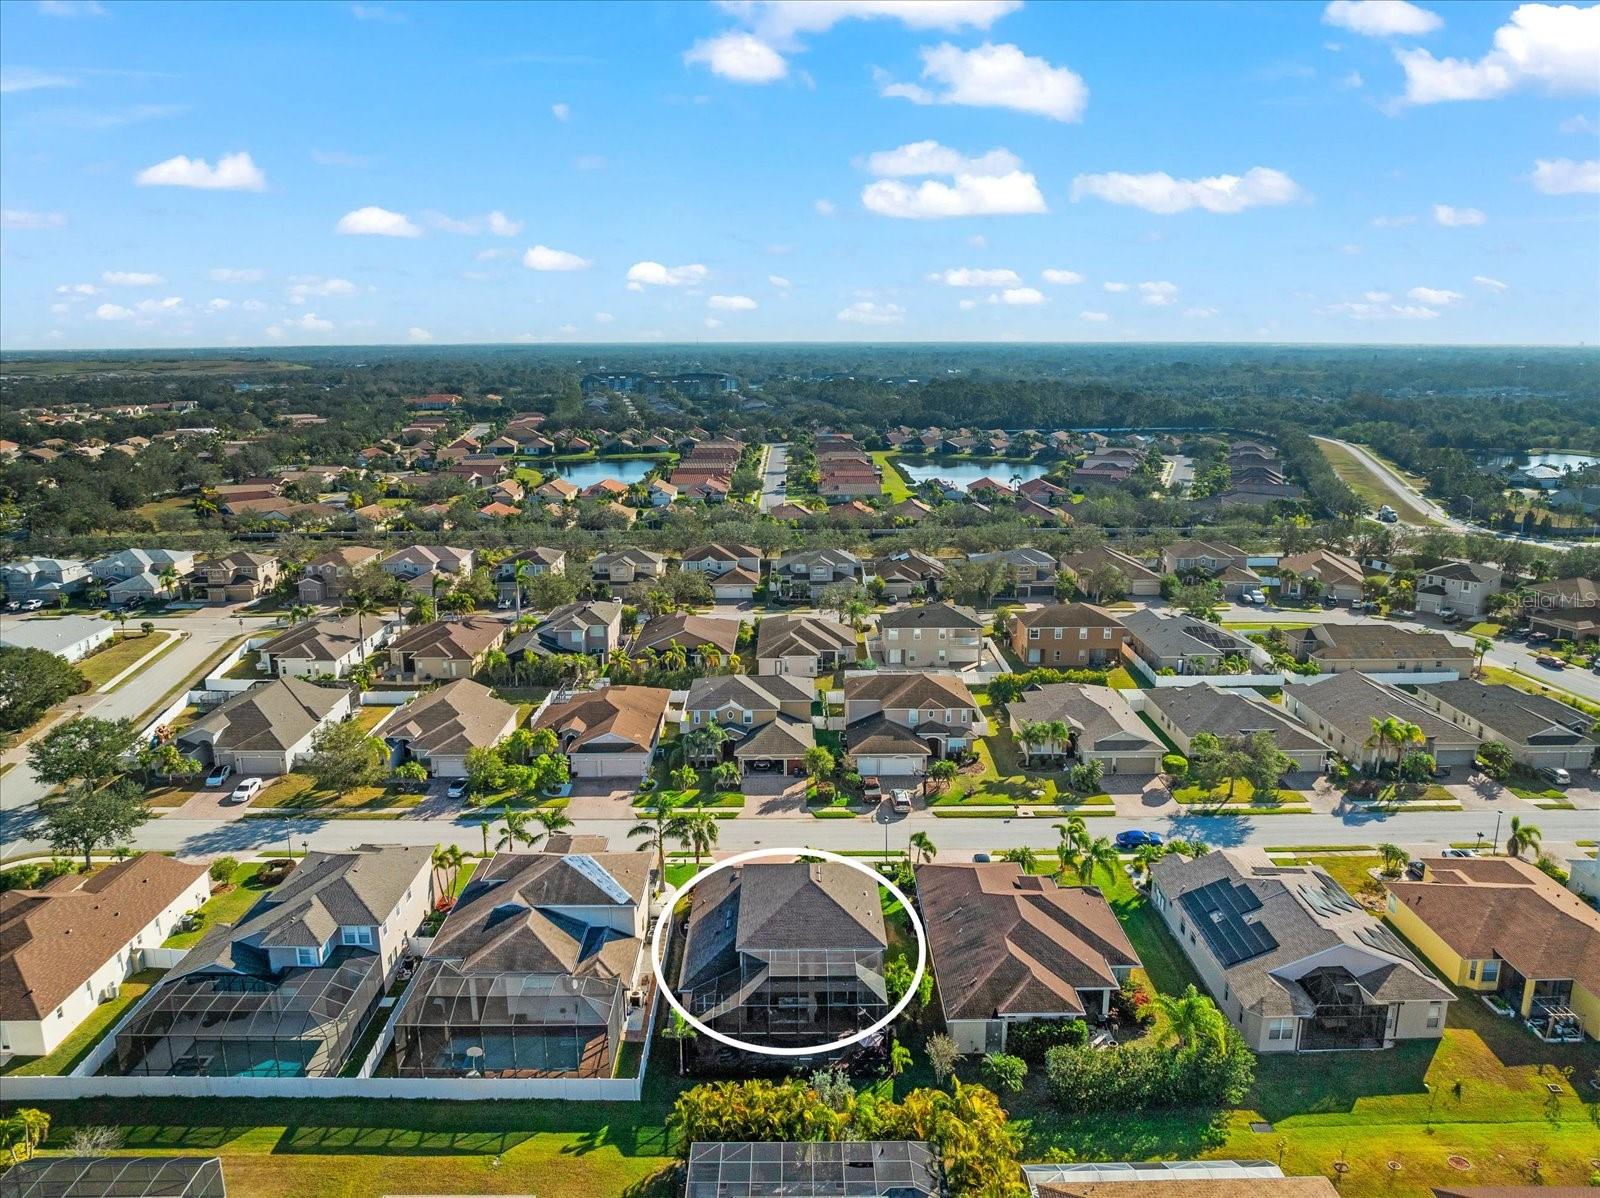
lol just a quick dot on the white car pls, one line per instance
(1259, 598)
(901, 799)
(246, 790)
(1459, 853)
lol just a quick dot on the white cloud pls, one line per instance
(781, 21)
(995, 76)
(967, 305)
(1457, 218)
(502, 225)
(1433, 296)
(308, 323)
(1022, 296)
(113, 312)
(871, 312)
(17, 218)
(1550, 45)
(603, 318)
(223, 274)
(562, 112)
(1352, 81)
(931, 158)
(218, 304)
(307, 287)
(373, 221)
(1578, 123)
(77, 289)
(713, 323)
(1377, 297)
(1158, 294)
(1381, 18)
(1488, 284)
(740, 57)
(542, 257)
(253, 305)
(131, 278)
(1010, 194)
(653, 274)
(418, 335)
(1094, 317)
(1564, 177)
(1159, 192)
(779, 282)
(1114, 288)
(1382, 311)
(26, 79)
(967, 276)
(1200, 313)
(152, 306)
(1061, 278)
(731, 303)
(496, 222)
(824, 207)
(233, 172)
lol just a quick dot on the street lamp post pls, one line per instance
(1494, 847)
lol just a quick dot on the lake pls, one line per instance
(586, 474)
(1561, 461)
(962, 471)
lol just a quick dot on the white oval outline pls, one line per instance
(808, 1050)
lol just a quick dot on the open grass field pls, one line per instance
(1359, 478)
(123, 651)
(895, 487)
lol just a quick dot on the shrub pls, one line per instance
(1032, 1040)
(222, 870)
(34, 873)
(1175, 764)
(1143, 1074)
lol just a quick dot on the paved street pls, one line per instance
(773, 474)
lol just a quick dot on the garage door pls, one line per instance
(258, 763)
(609, 765)
(889, 767)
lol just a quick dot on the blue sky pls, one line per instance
(295, 174)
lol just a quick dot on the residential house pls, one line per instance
(66, 946)
(287, 990)
(267, 729)
(804, 575)
(1231, 713)
(912, 511)
(623, 567)
(1068, 636)
(694, 634)
(1339, 577)
(750, 924)
(767, 719)
(426, 561)
(556, 490)
(330, 645)
(1460, 587)
(72, 637)
(1567, 609)
(536, 971)
(804, 646)
(453, 647)
(240, 577)
(1009, 948)
(895, 723)
(734, 585)
(661, 493)
(1292, 961)
(1034, 571)
(717, 560)
(326, 579)
(908, 574)
(588, 626)
(1498, 926)
(1185, 644)
(1200, 559)
(1382, 649)
(944, 636)
(43, 578)
(498, 511)
(1102, 727)
(1043, 491)
(1341, 710)
(1541, 732)
(441, 726)
(1138, 579)
(131, 563)
(533, 562)
(611, 732)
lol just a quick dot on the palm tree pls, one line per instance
(361, 606)
(516, 830)
(520, 574)
(922, 847)
(1480, 647)
(1394, 859)
(552, 820)
(1024, 856)
(1191, 1017)
(655, 828)
(1074, 839)
(1030, 736)
(446, 865)
(496, 665)
(299, 613)
(1100, 853)
(168, 579)
(695, 830)
(1058, 733)
(1147, 855)
(1522, 836)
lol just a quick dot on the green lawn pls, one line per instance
(226, 907)
(1002, 778)
(296, 792)
(1243, 792)
(88, 1033)
(125, 649)
(368, 718)
(1534, 686)
(895, 488)
(1120, 679)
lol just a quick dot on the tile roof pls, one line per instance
(1008, 943)
(451, 719)
(54, 939)
(277, 715)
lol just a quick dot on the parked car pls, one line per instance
(1550, 663)
(1453, 617)
(872, 789)
(1415, 870)
(1134, 837)
(456, 789)
(1458, 853)
(218, 775)
(246, 790)
(982, 858)
(1554, 773)
(901, 799)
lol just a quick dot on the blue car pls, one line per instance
(1135, 837)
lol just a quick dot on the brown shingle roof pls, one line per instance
(461, 639)
(633, 713)
(1068, 615)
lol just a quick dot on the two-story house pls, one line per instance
(327, 578)
(1032, 573)
(805, 646)
(453, 647)
(239, 577)
(767, 719)
(1567, 609)
(895, 723)
(718, 559)
(422, 562)
(624, 567)
(1459, 588)
(943, 636)
(803, 576)
(1068, 636)
(588, 626)
(287, 990)
(909, 575)
(523, 565)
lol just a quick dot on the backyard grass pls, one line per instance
(368, 718)
(105, 664)
(1120, 679)
(226, 908)
(245, 668)
(87, 1034)
(895, 488)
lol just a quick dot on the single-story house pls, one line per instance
(72, 637)
(1340, 709)
(1540, 731)
(610, 732)
(440, 727)
(266, 729)
(329, 645)
(1231, 714)
(690, 632)
(1103, 727)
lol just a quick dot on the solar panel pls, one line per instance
(1327, 897)
(1218, 910)
(1385, 941)
(597, 873)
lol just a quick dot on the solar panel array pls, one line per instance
(1385, 941)
(1326, 897)
(1218, 910)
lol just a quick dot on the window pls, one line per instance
(305, 956)
(1472, 971)
(1491, 970)
(1058, 633)
(1280, 1029)
(747, 717)
(1033, 634)
(358, 936)
(1435, 1014)
(1083, 634)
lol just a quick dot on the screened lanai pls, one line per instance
(456, 1024)
(300, 1023)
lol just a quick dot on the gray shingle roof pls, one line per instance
(458, 716)
(802, 636)
(277, 715)
(1229, 712)
(327, 639)
(1351, 701)
(753, 691)
(1099, 713)
(932, 615)
(1512, 714)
